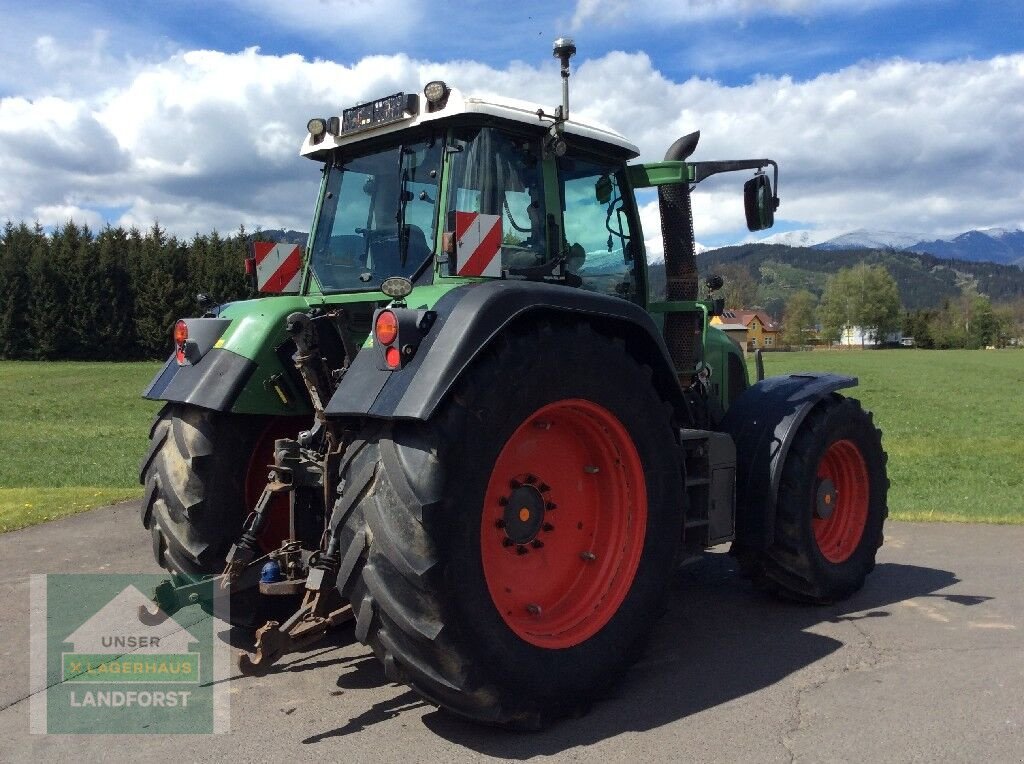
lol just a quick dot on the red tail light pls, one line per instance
(386, 328)
(392, 357)
(180, 338)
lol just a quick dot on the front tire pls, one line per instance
(508, 558)
(831, 508)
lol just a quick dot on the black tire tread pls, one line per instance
(398, 592)
(193, 503)
(786, 569)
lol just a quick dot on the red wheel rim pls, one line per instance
(564, 522)
(841, 504)
(276, 529)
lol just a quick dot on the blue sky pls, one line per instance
(885, 114)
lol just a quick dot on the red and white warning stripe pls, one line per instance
(277, 266)
(478, 244)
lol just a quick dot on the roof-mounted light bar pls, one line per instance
(383, 111)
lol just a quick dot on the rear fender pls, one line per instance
(466, 320)
(763, 422)
(233, 365)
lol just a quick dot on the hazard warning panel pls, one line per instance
(478, 244)
(277, 266)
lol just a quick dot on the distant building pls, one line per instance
(752, 329)
(862, 337)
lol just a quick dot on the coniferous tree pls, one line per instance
(15, 251)
(113, 318)
(46, 303)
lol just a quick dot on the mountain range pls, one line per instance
(992, 245)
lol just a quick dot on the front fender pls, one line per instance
(468, 318)
(763, 422)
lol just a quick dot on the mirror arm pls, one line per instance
(702, 170)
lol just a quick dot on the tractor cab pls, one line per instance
(447, 186)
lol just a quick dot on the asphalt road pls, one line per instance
(925, 664)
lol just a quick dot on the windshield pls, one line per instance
(377, 218)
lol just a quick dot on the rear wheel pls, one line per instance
(202, 474)
(508, 558)
(831, 507)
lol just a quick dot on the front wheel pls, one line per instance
(508, 558)
(831, 507)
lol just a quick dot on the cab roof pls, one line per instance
(509, 109)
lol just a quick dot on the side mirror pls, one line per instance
(759, 203)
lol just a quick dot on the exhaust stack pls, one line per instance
(682, 329)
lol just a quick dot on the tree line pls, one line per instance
(866, 296)
(114, 295)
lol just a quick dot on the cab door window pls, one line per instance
(598, 227)
(498, 175)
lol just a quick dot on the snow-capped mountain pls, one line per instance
(996, 245)
(872, 240)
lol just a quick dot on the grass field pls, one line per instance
(952, 422)
(72, 434)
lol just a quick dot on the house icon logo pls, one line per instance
(102, 661)
(115, 646)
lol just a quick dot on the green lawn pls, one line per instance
(71, 437)
(952, 422)
(72, 434)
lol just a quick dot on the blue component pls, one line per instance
(271, 573)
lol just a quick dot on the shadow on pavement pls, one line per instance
(719, 640)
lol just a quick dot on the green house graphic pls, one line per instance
(115, 646)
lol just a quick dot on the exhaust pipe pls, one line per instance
(682, 330)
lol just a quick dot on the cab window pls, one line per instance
(598, 226)
(498, 175)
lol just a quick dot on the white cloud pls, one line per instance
(681, 11)
(204, 139)
(54, 215)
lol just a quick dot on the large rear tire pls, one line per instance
(508, 558)
(200, 473)
(831, 508)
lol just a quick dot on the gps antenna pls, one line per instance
(564, 49)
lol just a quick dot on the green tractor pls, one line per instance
(469, 421)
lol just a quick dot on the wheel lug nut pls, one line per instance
(531, 479)
(514, 484)
(533, 609)
(536, 543)
(590, 469)
(499, 523)
(548, 527)
(521, 550)
(543, 488)
(503, 501)
(507, 542)
(588, 556)
(550, 505)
